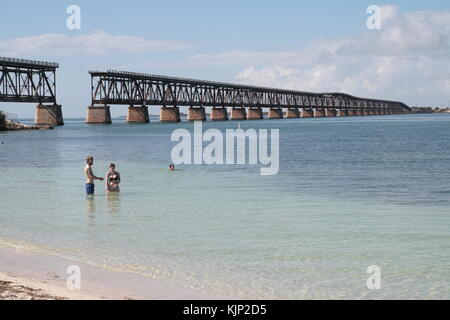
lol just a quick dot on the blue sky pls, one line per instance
(304, 45)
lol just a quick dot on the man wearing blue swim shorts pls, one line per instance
(90, 177)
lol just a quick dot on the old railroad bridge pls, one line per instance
(35, 81)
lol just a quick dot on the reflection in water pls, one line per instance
(90, 207)
(113, 201)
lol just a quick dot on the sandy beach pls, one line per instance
(26, 275)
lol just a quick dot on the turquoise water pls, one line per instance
(351, 193)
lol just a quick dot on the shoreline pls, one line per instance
(27, 275)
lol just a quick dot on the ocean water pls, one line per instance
(351, 193)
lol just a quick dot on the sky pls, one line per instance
(318, 46)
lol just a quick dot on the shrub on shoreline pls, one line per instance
(2, 121)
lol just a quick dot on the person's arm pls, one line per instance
(99, 178)
(118, 178)
(93, 176)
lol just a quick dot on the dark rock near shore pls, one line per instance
(17, 126)
(11, 291)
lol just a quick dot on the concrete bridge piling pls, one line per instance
(275, 113)
(196, 114)
(319, 113)
(169, 114)
(306, 113)
(254, 114)
(48, 115)
(238, 113)
(138, 114)
(343, 113)
(98, 115)
(219, 114)
(330, 113)
(292, 113)
(51, 114)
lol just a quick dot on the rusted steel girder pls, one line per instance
(27, 81)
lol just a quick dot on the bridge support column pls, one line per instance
(319, 113)
(98, 115)
(138, 114)
(238, 113)
(275, 113)
(196, 114)
(292, 113)
(219, 114)
(50, 115)
(254, 114)
(169, 114)
(306, 113)
(343, 113)
(330, 112)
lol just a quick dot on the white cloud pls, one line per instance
(96, 43)
(407, 60)
(425, 33)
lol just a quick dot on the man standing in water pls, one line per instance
(90, 177)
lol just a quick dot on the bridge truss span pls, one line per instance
(27, 81)
(136, 89)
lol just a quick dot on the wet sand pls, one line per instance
(26, 275)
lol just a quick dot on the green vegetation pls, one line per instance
(2, 121)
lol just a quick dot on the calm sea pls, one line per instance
(351, 193)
